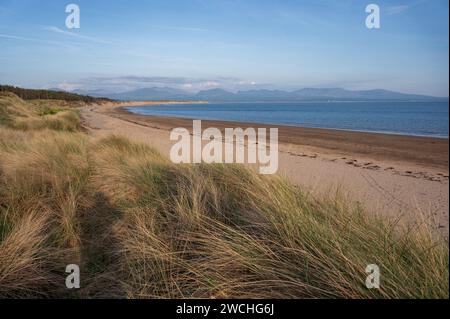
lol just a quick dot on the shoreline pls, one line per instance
(133, 104)
(280, 125)
(423, 151)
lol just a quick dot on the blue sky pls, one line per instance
(232, 44)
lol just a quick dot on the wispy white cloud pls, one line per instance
(393, 10)
(400, 8)
(74, 34)
(21, 38)
(67, 86)
(15, 37)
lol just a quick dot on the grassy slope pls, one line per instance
(48, 95)
(142, 227)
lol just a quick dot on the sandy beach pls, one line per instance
(400, 177)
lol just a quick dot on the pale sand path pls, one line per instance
(379, 189)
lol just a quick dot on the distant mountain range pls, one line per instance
(220, 95)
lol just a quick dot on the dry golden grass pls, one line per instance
(142, 227)
(67, 121)
(38, 115)
(212, 231)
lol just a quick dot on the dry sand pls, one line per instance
(396, 176)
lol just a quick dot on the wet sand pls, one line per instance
(421, 151)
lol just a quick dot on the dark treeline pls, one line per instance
(29, 94)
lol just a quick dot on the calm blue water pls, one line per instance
(407, 118)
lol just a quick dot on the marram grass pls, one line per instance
(142, 227)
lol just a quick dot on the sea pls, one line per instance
(404, 118)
